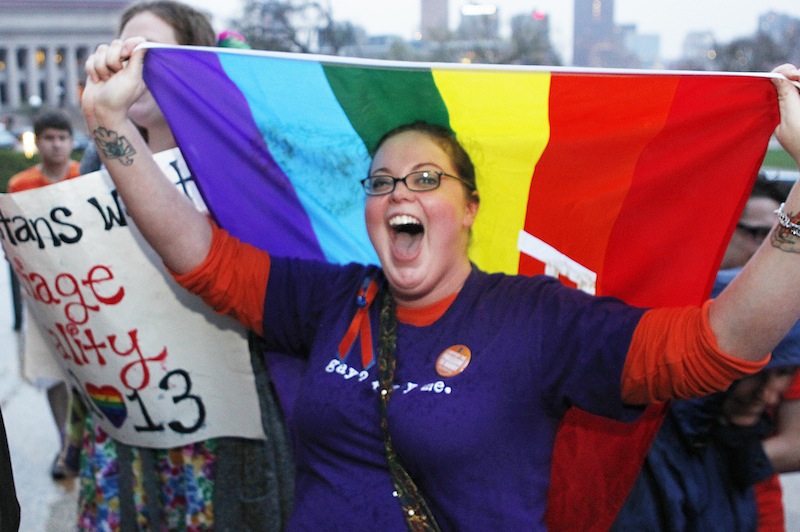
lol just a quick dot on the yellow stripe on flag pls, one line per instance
(501, 118)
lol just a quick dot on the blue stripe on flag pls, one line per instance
(314, 144)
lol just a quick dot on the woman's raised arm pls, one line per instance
(762, 303)
(178, 232)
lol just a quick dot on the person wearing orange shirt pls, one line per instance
(54, 141)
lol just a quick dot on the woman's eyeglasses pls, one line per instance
(421, 181)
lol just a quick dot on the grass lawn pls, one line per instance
(779, 159)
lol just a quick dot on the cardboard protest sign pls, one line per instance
(153, 362)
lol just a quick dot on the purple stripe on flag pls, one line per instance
(238, 177)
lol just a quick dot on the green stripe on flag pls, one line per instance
(379, 100)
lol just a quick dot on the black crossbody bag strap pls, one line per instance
(415, 510)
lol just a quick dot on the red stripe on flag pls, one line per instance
(688, 191)
(583, 176)
(578, 190)
(649, 209)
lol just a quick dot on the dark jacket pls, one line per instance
(698, 474)
(9, 505)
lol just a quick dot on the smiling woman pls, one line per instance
(469, 364)
(421, 235)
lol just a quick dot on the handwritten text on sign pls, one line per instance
(157, 367)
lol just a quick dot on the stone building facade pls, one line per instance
(43, 47)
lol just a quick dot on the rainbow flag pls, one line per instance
(622, 183)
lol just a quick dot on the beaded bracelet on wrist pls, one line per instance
(785, 222)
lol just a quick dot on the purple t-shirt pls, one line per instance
(478, 442)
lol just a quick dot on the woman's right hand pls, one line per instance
(788, 131)
(114, 80)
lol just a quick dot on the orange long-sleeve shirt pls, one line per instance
(673, 352)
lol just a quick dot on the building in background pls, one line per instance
(644, 49)
(593, 31)
(434, 19)
(599, 42)
(479, 22)
(44, 46)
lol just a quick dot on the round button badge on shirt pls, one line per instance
(453, 360)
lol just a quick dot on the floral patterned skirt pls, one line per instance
(184, 477)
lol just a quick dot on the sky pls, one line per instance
(671, 19)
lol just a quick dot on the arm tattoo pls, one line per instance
(784, 239)
(113, 146)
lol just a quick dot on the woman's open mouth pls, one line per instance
(408, 232)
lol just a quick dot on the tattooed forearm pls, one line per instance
(786, 236)
(113, 146)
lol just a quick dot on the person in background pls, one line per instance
(782, 417)
(782, 444)
(783, 450)
(384, 451)
(755, 223)
(54, 141)
(53, 133)
(223, 483)
(710, 466)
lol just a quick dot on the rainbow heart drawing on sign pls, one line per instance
(110, 402)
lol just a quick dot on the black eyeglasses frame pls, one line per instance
(364, 182)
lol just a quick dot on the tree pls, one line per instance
(286, 26)
(337, 35)
(530, 42)
(294, 26)
(750, 54)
